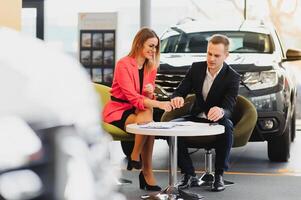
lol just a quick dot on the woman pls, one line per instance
(133, 100)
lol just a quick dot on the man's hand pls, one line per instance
(177, 102)
(215, 113)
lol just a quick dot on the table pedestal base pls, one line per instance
(172, 193)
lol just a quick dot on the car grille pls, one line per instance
(166, 84)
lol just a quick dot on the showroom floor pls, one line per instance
(254, 175)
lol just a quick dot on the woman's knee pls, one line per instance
(145, 115)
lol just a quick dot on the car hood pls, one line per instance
(185, 59)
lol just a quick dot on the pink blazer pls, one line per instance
(126, 86)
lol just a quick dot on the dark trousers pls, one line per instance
(222, 146)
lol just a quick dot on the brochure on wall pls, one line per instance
(97, 44)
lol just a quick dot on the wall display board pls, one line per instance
(97, 45)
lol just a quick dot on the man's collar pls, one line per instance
(208, 73)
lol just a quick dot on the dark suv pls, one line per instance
(258, 55)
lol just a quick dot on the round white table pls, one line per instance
(173, 130)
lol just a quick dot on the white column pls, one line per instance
(145, 13)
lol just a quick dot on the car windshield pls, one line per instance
(240, 42)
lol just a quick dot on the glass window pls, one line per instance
(240, 42)
(29, 21)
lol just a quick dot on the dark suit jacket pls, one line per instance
(223, 91)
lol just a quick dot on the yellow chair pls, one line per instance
(244, 119)
(116, 133)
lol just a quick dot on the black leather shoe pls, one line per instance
(188, 181)
(133, 164)
(218, 183)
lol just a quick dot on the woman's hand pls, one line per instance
(165, 105)
(149, 90)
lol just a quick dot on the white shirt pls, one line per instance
(206, 87)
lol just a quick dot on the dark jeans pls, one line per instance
(222, 146)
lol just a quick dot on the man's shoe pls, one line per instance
(188, 181)
(218, 183)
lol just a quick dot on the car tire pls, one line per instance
(293, 128)
(279, 147)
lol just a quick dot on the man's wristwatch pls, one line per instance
(222, 111)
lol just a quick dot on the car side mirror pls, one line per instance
(293, 54)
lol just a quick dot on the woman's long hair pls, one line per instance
(137, 46)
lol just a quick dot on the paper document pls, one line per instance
(156, 125)
(164, 125)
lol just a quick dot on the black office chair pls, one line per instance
(244, 119)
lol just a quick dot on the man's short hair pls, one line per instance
(220, 39)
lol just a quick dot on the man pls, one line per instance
(215, 85)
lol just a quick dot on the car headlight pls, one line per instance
(260, 80)
(264, 103)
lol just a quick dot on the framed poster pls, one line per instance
(97, 75)
(97, 45)
(109, 40)
(107, 75)
(108, 58)
(97, 57)
(97, 41)
(86, 40)
(85, 57)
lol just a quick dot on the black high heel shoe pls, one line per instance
(145, 186)
(133, 164)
